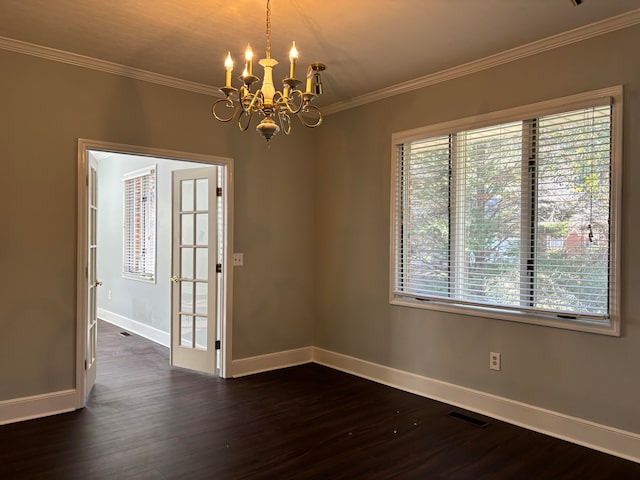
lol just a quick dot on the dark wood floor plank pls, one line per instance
(146, 420)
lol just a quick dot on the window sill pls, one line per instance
(611, 328)
(139, 279)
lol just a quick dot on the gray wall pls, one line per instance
(46, 107)
(144, 302)
(312, 217)
(585, 375)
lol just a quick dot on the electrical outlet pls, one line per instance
(238, 259)
(494, 361)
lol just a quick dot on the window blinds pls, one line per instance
(139, 225)
(513, 216)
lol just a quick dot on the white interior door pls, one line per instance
(194, 278)
(92, 279)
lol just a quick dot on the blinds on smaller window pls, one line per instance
(514, 216)
(139, 225)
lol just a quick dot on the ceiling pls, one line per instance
(367, 45)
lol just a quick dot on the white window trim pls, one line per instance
(549, 107)
(129, 176)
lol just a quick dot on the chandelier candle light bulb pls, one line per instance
(228, 65)
(248, 55)
(293, 56)
(266, 101)
(309, 76)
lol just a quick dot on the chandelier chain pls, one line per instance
(268, 47)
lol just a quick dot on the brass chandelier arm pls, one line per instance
(228, 104)
(256, 98)
(309, 108)
(289, 103)
(285, 122)
(248, 115)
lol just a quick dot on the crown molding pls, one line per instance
(569, 37)
(105, 66)
(566, 38)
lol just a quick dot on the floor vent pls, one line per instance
(476, 422)
(125, 334)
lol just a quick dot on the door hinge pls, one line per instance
(217, 344)
(219, 268)
(219, 192)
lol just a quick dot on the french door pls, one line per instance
(201, 297)
(194, 277)
(92, 280)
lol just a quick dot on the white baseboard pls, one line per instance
(576, 430)
(146, 331)
(271, 361)
(26, 408)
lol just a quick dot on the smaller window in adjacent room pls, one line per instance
(139, 225)
(513, 215)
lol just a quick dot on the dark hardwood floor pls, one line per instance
(146, 420)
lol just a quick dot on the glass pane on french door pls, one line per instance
(194, 255)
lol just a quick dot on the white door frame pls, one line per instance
(84, 145)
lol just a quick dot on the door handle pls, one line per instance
(174, 279)
(97, 283)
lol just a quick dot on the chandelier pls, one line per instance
(266, 101)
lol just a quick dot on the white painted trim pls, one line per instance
(271, 361)
(105, 66)
(226, 327)
(82, 264)
(603, 96)
(85, 145)
(606, 439)
(147, 331)
(569, 37)
(593, 98)
(36, 406)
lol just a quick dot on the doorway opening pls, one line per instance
(154, 243)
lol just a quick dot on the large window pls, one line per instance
(512, 215)
(139, 225)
